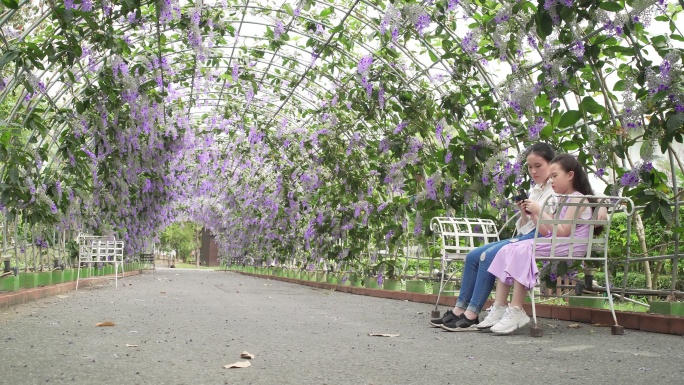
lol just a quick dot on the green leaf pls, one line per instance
(288, 9)
(589, 105)
(675, 122)
(611, 6)
(570, 146)
(620, 85)
(677, 37)
(666, 212)
(544, 23)
(569, 118)
(327, 11)
(433, 57)
(11, 4)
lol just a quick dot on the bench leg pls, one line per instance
(535, 330)
(616, 329)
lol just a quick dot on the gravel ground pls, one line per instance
(184, 325)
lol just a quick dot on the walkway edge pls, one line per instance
(11, 298)
(655, 323)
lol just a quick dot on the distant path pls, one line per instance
(189, 323)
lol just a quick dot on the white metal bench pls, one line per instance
(596, 246)
(459, 236)
(96, 249)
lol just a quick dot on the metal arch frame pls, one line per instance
(263, 72)
(296, 31)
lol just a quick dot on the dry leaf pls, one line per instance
(106, 323)
(239, 364)
(383, 335)
(553, 326)
(574, 326)
(247, 355)
(162, 292)
(600, 325)
(131, 346)
(62, 296)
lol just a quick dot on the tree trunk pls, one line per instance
(641, 235)
(197, 250)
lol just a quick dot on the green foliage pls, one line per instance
(638, 280)
(182, 237)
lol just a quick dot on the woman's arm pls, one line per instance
(564, 230)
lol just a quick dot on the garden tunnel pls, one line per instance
(307, 133)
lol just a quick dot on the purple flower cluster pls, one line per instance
(364, 64)
(630, 179)
(536, 127)
(279, 29)
(422, 23)
(481, 125)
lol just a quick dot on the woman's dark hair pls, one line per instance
(580, 180)
(543, 150)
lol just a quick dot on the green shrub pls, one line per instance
(638, 281)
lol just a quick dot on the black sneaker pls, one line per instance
(449, 316)
(461, 324)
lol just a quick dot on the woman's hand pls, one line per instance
(520, 205)
(531, 207)
(602, 214)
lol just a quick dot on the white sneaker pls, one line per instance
(512, 320)
(494, 315)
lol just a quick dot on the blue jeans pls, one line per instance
(476, 281)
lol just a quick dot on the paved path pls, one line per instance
(187, 324)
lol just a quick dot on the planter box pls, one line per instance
(311, 276)
(371, 282)
(595, 303)
(85, 272)
(9, 283)
(667, 308)
(44, 278)
(344, 281)
(449, 289)
(415, 286)
(355, 280)
(27, 280)
(321, 277)
(57, 277)
(392, 284)
(68, 275)
(333, 279)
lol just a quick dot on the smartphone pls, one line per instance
(522, 195)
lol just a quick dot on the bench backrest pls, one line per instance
(99, 249)
(461, 235)
(554, 247)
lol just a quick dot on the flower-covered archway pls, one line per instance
(314, 128)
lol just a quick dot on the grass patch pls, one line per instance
(193, 266)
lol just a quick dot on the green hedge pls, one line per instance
(638, 280)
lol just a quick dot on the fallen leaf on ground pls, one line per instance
(106, 323)
(600, 325)
(131, 346)
(62, 296)
(247, 355)
(240, 364)
(574, 326)
(553, 326)
(383, 335)
(162, 292)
